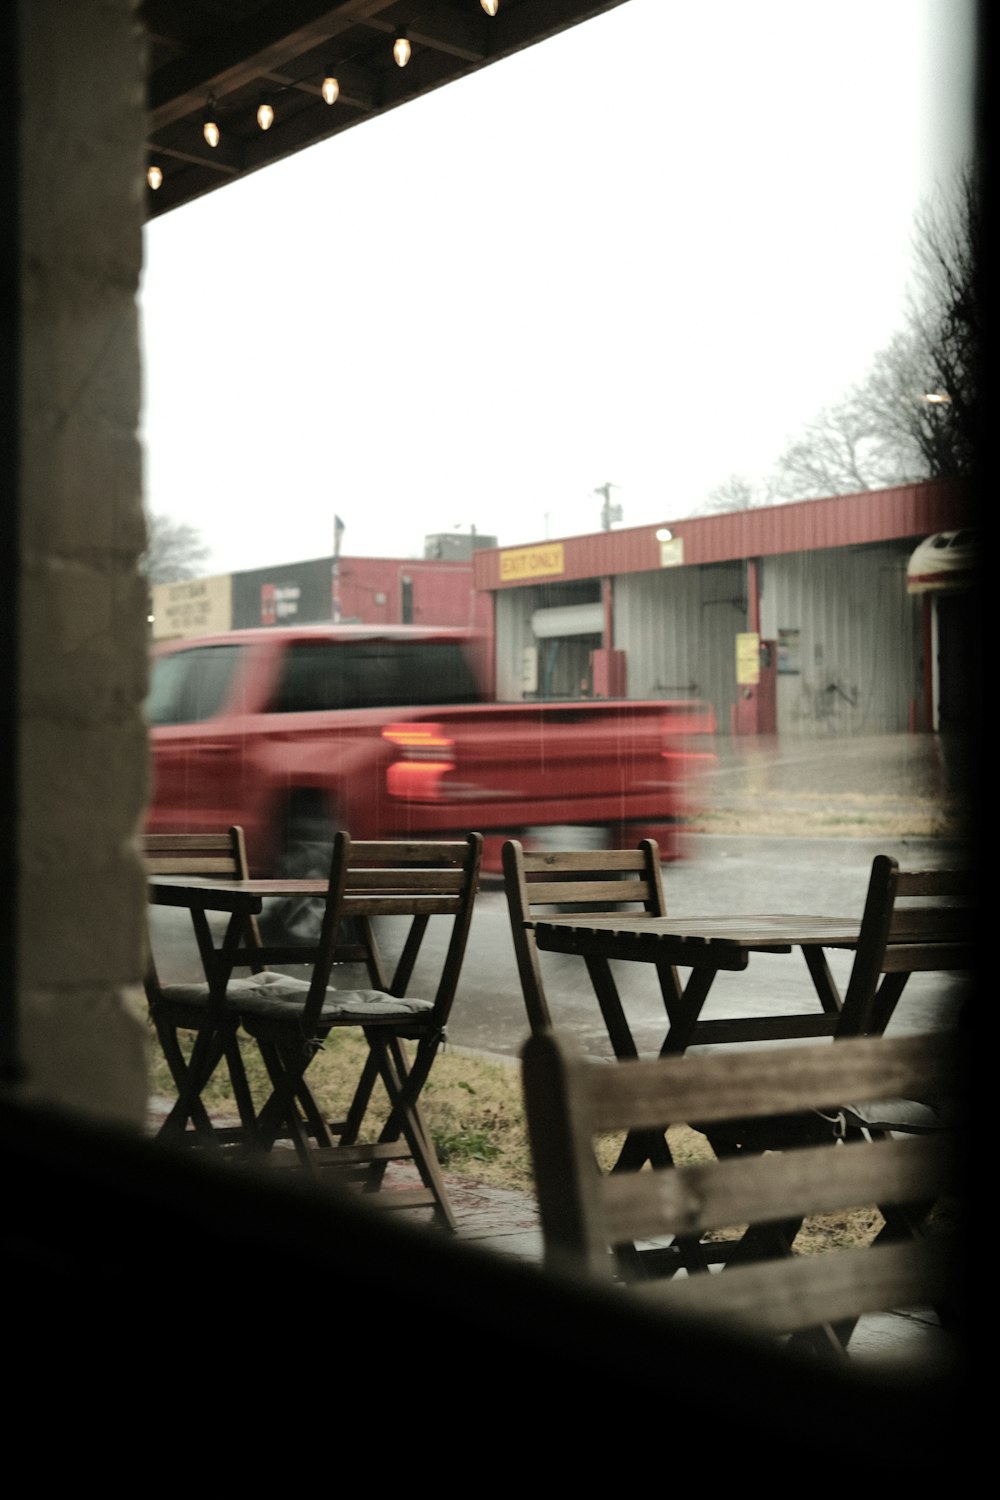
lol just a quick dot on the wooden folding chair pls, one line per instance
(177, 1008)
(593, 880)
(290, 1018)
(571, 880)
(914, 921)
(571, 1102)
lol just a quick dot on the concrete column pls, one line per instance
(82, 649)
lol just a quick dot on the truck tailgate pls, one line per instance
(579, 761)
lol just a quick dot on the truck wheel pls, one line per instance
(306, 856)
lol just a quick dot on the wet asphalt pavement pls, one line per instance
(789, 826)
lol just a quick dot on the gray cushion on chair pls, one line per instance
(906, 1116)
(276, 986)
(274, 996)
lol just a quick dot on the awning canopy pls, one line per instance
(945, 560)
(319, 67)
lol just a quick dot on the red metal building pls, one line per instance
(682, 606)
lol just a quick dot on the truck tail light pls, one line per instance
(425, 759)
(419, 741)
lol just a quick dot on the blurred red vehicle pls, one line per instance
(293, 732)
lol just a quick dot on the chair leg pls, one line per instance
(291, 1109)
(188, 1106)
(403, 1082)
(241, 1086)
(360, 1102)
(177, 1063)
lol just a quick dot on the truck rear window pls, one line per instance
(189, 686)
(374, 674)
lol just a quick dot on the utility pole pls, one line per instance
(338, 531)
(609, 512)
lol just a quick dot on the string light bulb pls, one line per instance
(401, 49)
(331, 88)
(154, 176)
(209, 125)
(265, 114)
(490, 6)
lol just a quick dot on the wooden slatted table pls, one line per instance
(707, 946)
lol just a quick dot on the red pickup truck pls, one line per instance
(387, 731)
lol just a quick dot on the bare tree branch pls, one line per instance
(174, 551)
(886, 431)
(736, 493)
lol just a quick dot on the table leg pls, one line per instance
(608, 998)
(683, 1006)
(823, 980)
(883, 1004)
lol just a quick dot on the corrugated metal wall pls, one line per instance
(678, 628)
(513, 635)
(847, 632)
(849, 639)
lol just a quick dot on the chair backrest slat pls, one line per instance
(183, 864)
(781, 1297)
(407, 878)
(399, 903)
(945, 882)
(402, 852)
(580, 894)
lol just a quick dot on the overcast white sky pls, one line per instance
(645, 252)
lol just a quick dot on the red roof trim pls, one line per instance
(904, 512)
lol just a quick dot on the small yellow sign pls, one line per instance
(531, 562)
(748, 658)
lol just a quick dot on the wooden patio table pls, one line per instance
(707, 946)
(917, 939)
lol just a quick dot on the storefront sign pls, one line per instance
(202, 606)
(278, 603)
(531, 562)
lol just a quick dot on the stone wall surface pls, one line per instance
(83, 759)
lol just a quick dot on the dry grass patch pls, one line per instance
(475, 1112)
